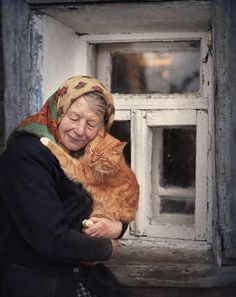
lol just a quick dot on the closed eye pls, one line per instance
(90, 126)
(102, 158)
(115, 153)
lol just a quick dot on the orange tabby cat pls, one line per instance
(103, 172)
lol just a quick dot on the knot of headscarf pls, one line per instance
(46, 121)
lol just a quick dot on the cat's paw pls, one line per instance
(44, 140)
(87, 223)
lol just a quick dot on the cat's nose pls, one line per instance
(93, 159)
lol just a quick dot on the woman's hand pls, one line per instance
(103, 227)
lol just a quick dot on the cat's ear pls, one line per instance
(102, 132)
(120, 146)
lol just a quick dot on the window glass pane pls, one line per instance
(162, 67)
(178, 158)
(173, 175)
(180, 205)
(121, 130)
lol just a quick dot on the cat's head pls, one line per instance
(104, 152)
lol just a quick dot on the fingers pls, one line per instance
(103, 227)
(87, 223)
(99, 228)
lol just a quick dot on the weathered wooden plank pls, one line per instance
(201, 176)
(180, 292)
(146, 253)
(15, 25)
(131, 17)
(170, 275)
(2, 117)
(225, 60)
(90, 1)
(163, 266)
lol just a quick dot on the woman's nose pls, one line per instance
(80, 129)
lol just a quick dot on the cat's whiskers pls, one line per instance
(109, 170)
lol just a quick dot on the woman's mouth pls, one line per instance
(75, 139)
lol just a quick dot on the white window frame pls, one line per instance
(178, 118)
(136, 109)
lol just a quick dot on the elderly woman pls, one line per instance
(42, 243)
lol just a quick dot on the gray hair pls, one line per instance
(96, 102)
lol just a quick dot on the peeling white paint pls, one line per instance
(59, 55)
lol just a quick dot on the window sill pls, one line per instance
(169, 267)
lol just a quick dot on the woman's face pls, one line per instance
(79, 125)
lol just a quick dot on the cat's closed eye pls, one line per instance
(116, 153)
(89, 149)
(102, 159)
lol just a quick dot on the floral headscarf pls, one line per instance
(46, 121)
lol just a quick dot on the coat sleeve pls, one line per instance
(28, 178)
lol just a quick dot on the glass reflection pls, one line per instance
(172, 205)
(174, 68)
(179, 153)
(173, 175)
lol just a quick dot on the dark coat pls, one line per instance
(41, 244)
